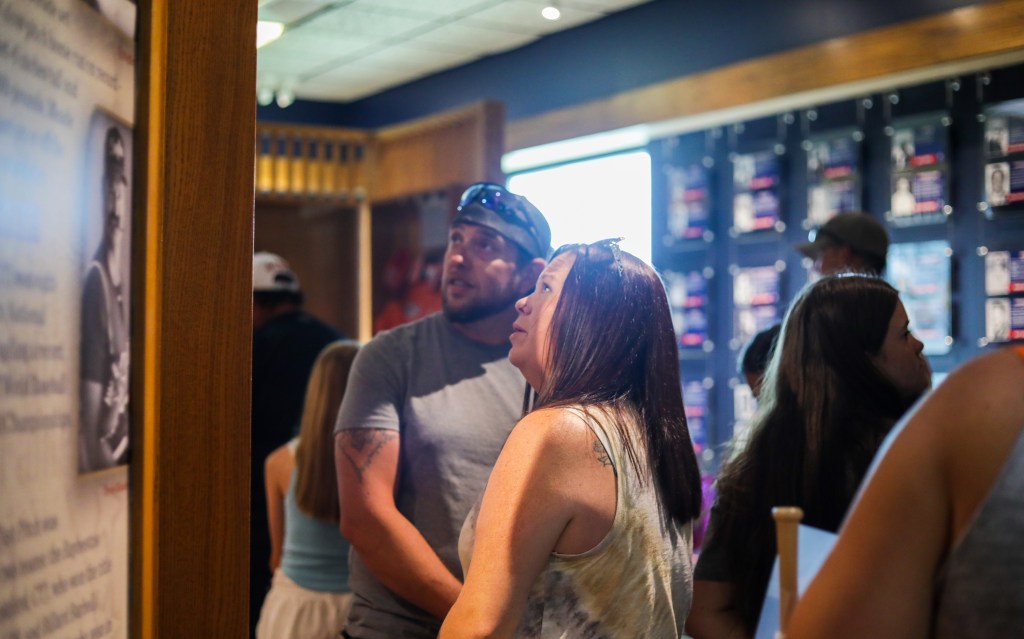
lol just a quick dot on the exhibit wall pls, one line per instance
(67, 90)
(125, 317)
(939, 164)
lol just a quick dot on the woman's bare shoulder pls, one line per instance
(560, 429)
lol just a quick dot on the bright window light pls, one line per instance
(267, 32)
(591, 200)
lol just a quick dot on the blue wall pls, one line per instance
(965, 229)
(650, 43)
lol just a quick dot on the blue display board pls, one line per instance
(920, 271)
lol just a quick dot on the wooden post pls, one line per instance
(786, 521)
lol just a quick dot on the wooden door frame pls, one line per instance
(196, 114)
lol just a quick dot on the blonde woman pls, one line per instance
(309, 597)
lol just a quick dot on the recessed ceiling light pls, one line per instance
(267, 32)
(551, 12)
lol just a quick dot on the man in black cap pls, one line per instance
(854, 242)
(427, 410)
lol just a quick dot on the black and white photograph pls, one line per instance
(743, 212)
(902, 149)
(105, 326)
(997, 273)
(903, 201)
(997, 319)
(997, 183)
(1004, 129)
(997, 137)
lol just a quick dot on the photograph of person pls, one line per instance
(997, 319)
(744, 170)
(903, 201)
(818, 206)
(743, 212)
(104, 370)
(996, 190)
(902, 149)
(997, 137)
(997, 273)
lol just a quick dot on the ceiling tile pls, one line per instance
(461, 36)
(284, 66)
(316, 46)
(288, 11)
(413, 58)
(356, 48)
(351, 20)
(352, 82)
(438, 8)
(524, 16)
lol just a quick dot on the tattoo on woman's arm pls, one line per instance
(361, 445)
(602, 454)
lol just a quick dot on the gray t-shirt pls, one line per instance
(454, 401)
(979, 594)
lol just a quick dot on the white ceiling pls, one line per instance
(344, 50)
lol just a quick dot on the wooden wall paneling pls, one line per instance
(196, 121)
(986, 33)
(365, 255)
(458, 147)
(319, 240)
(310, 162)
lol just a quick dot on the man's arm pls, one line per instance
(396, 553)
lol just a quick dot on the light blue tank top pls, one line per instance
(315, 554)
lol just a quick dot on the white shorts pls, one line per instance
(290, 610)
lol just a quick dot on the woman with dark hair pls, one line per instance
(932, 545)
(844, 370)
(584, 528)
(309, 596)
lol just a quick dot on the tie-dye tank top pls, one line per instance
(637, 582)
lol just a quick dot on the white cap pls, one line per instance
(271, 273)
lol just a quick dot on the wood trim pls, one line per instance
(979, 31)
(456, 147)
(149, 135)
(365, 273)
(190, 505)
(434, 122)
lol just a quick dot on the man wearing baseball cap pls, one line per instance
(285, 342)
(853, 242)
(428, 407)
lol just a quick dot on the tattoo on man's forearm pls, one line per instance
(361, 445)
(602, 454)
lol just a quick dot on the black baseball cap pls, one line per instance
(859, 231)
(495, 207)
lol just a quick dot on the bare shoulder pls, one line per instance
(979, 414)
(554, 426)
(558, 434)
(278, 466)
(979, 404)
(280, 458)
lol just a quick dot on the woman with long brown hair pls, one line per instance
(845, 368)
(584, 528)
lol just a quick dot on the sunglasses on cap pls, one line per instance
(514, 209)
(611, 245)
